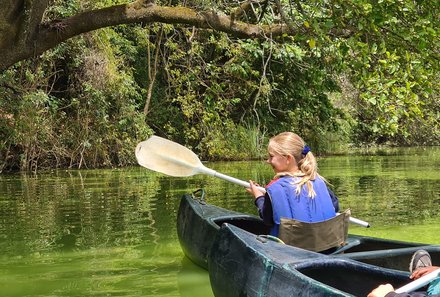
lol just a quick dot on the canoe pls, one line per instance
(198, 222)
(242, 262)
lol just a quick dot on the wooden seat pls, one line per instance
(316, 237)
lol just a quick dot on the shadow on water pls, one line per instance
(192, 280)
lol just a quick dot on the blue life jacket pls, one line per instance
(286, 204)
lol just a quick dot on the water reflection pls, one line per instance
(112, 232)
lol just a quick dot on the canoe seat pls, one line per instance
(317, 237)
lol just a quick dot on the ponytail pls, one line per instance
(309, 167)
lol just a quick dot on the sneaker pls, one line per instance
(420, 258)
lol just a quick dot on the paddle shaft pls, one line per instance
(247, 185)
(228, 178)
(418, 283)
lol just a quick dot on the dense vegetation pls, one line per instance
(356, 73)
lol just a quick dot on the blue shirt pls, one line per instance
(281, 201)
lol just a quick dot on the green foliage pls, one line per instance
(232, 142)
(393, 60)
(355, 72)
(390, 51)
(77, 106)
(225, 84)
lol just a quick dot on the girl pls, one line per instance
(297, 191)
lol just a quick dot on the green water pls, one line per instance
(112, 232)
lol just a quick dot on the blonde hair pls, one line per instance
(289, 143)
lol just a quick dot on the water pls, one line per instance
(112, 232)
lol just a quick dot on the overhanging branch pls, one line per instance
(53, 33)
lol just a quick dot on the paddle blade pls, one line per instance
(165, 156)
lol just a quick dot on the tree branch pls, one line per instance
(55, 32)
(243, 10)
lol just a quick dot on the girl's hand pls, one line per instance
(254, 190)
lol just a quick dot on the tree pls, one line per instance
(24, 33)
(214, 69)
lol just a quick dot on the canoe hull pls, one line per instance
(243, 263)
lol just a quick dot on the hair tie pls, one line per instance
(306, 150)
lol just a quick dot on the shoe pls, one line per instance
(420, 258)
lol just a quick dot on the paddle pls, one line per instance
(165, 156)
(418, 283)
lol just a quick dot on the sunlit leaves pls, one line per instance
(393, 57)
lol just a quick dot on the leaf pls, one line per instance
(372, 100)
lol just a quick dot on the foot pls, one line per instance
(420, 258)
